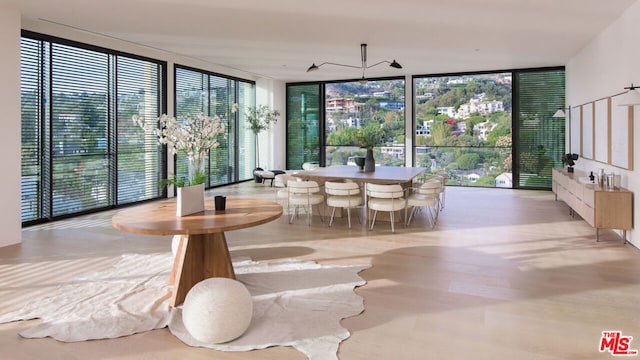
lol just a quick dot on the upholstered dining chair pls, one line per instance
(389, 198)
(425, 196)
(305, 194)
(344, 195)
(282, 193)
(443, 178)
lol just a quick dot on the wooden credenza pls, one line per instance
(600, 208)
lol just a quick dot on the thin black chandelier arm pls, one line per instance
(330, 63)
(378, 63)
(355, 67)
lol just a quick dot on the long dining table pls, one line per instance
(382, 175)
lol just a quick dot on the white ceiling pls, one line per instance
(279, 39)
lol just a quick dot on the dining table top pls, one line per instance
(381, 175)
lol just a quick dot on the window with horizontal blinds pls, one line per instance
(191, 98)
(199, 91)
(31, 155)
(79, 129)
(139, 157)
(246, 144)
(303, 124)
(540, 139)
(77, 103)
(222, 158)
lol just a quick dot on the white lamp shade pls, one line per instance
(630, 98)
(559, 114)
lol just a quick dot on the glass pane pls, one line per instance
(221, 95)
(246, 142)
(139, 155)
(352, 105)
(463, 127)
(191, 93)
(79, 123)
(468, 166)
(30, 60)
(303, 125)
(215, 95)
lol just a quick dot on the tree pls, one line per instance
(260, 118)
(468, 161)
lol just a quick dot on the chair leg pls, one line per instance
(392, 220)
(373, 220)
(411, 213)
(332, 214)
(348, 216)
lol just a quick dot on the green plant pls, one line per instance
(260, 118)
(369, 136)
(199, 178)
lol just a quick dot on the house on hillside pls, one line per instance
(504, 180)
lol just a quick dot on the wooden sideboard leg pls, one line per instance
(597, 234)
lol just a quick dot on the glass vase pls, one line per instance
(195, 167)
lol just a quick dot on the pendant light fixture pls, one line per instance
(630, 97)
(363, 66)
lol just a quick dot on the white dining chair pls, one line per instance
(345, 195)
(426, 196)
(389, 198)
(304, 194)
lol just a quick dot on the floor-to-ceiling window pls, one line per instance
(490, 129)
(463, 126)
(353, 105)
(199, 91)
(540, 138)
(323, 118)
(303, 124)
(80, 149)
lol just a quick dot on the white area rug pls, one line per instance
(296, 303)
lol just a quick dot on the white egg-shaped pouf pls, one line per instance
(217, 310)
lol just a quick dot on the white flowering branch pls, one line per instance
(193, 136)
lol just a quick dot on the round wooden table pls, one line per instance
(202, 252)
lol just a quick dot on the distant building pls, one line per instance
(483, 129)
(475, 106)
(447, 110)
(392, 105)
(473, 177)
(349, 106)
(393, 151)
(425, 128)
(504, 180)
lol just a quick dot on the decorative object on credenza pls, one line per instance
(359, 160)
(570, 160)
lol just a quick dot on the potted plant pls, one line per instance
(368, 137)
(570, 160)
(195, 137)
(260, 118)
